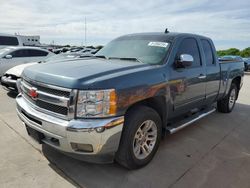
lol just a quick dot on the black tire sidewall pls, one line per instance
(133, 121)
(233, 86)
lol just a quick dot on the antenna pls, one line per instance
(166, 30)
(85, 32)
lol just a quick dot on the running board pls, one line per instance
(184, 123)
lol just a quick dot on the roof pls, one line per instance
(12, 48)
(25, 47)
(7, 35)
(169, 35)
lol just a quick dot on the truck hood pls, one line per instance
(17, 70)
(81, 73)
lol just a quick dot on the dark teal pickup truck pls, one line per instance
(118, 104)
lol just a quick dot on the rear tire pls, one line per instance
(140, 138)
(227, 104)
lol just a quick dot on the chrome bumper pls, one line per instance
(8, 83)
(96, 133)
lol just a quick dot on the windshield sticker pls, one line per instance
(158, 44)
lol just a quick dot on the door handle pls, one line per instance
(202, 76)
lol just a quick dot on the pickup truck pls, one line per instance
(117, 105)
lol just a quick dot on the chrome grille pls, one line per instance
(50, 99)
(50, 90)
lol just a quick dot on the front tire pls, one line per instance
(227, 104)
(140, 138)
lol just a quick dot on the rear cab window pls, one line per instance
(208, 52)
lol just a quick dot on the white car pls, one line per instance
(10, 78)
(13, 56)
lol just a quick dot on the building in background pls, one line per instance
(30, 40)
(19, 40)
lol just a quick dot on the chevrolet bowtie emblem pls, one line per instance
(33, 93)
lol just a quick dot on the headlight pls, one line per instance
(100, 103)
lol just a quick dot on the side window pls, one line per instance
(19, 53)
(36, 53)
(8, 41)
(208, 52)
(190, 46)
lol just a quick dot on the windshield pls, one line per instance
(143, 49)
(4, 50)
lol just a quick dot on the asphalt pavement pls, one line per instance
(213, 152)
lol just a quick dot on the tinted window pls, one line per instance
(19, 53)
(8, 41)
(35, 53)
(190, 46)
(208, 52)
(147, 49)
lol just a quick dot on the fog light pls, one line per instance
(82, 147)
(100, 129)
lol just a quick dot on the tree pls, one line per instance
(245, 52)
(235, 51)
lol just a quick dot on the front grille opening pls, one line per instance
(82, 147)
(51, 107)
(31, 118)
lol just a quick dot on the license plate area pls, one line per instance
(37, 136)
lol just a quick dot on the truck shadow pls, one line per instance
(177, 154)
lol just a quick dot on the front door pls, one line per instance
(188, 84)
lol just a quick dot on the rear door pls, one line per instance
(212, 70)
(188, 84)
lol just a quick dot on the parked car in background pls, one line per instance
(116, 104)
(80, 49)
(89, 50)
(60, 50)
(247, 63)
(231, 58)
(10, 40)
(86, 51)
(228, 58)
(13, 56)
(10, 78)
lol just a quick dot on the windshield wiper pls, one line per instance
(83, 56)
(100, 56)
(127, 59)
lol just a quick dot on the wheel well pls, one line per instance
(237, 81)
(157, 103)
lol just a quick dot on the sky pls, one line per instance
(227, 22)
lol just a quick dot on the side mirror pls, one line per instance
(184, 60)
(8, 56)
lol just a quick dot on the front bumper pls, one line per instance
(9, 83)
(69, 134)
